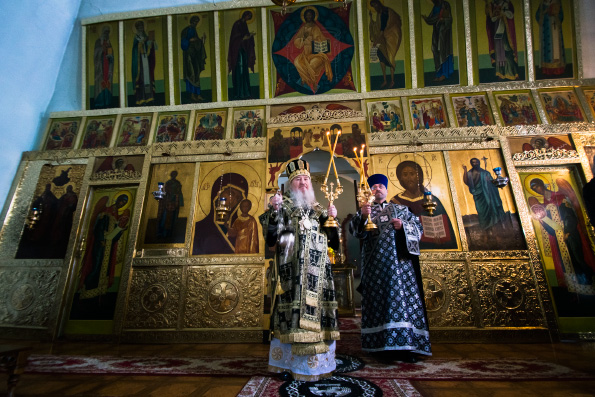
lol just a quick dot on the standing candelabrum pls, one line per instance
(331, 193)
(364, 193)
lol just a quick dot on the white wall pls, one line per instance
(40, 68)
(41, 57)
(34, 35)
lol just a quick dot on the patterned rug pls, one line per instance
(262, 386)
(350, 325)
(429, 369)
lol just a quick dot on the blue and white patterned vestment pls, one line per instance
(393, 310)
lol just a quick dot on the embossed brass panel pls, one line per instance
(224, 297)
(507, 294)
(448, 295)
(28, 297)
(154, 298)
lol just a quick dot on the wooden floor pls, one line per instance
(579, 356)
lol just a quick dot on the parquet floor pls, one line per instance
(579, 356)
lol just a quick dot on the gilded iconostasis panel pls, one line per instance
(410, 175)
(472, 110)
(112, 168)
(561, 105)
(98, 132)
(435, 96)
(248, 123)
(108, 219)
(555, 202)
(519, 145)
(103, 65)
(134, 130)
(210, 125)
(386, 116)
(489, 213)
(56, 197)
(500, 40)
(517, 108)
(62, 133)
(290, 142)
(428, 113)
(387, 53)
(553, 39)
(164, 221)
(313, 50)
(442, 50)
(239, 186)
(590, 96)
(195, 55)
(242, 42)
(171, 127)
(145, 49)
(590, 152)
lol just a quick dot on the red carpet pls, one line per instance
(429, 369)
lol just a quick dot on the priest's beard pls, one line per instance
(303, 199)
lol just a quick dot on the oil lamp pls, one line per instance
(500, 180)
(159, 194)
(222, 210)
(428, 203)
(34, 216)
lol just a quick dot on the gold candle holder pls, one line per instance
(365, 196)
(364, 193)
(330, 192)
(331, 195)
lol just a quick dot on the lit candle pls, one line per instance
(333, 155)
(359, 164)
(361, 156)
(329, 164)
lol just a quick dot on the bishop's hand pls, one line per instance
(332, 210)
(276, 201)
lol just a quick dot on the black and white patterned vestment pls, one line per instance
(393, 310)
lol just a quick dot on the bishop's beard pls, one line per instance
(303, 199)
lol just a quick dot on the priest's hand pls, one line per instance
(397, 223)
(366, 209)
(332, 210)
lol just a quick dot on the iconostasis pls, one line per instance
(205, 102)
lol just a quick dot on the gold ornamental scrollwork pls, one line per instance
(116, 175)
(587, 139)
(449, 138)
(316, 114)
(154, 298)
(435, 294)
(215, 150)
(448, 303)
(223, 296)
(545, 154)
(507, 293)
(22, 297)
(196, 261)
(28, 297)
